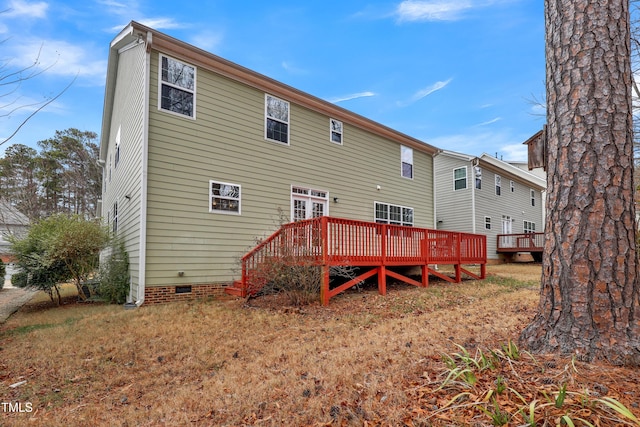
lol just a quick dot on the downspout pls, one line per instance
(474, 163)
(142, 267)
(434, 189)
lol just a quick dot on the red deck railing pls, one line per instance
(328, 241)
(523, 242)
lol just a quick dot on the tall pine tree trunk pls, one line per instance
(589, 298)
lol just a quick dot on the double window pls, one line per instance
(277, 119)
(460, 178)
(529, 227)
(224, 197)
(177, 87)
(393, 214)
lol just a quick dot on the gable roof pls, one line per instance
(138, 33)
(9, 215)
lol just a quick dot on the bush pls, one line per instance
(3, 271)
(114, 275)
(297, 278)
(19, 279)
(57, 249)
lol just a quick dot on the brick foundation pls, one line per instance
(165, 294)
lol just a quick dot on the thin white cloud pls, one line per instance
(488, 122)
(350, 97)
(504, 144)
(207, 40)
(415, 10)
(60, 58)
(425, 92)
(161, 23)
(513, 152)
(26, 9)
(291, 68)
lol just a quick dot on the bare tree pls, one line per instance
(590, 293)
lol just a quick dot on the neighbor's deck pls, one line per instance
(376, 248)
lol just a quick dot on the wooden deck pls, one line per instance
(525, 242)
(375, 248)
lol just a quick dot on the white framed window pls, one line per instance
(487, 223)
(386, 213)
(478, 172)
(498, 185)
(533, 197)
(529, 227)
(276, 126)
(117, 154)
(177, 87)
(307, 203)
(512, 186)
(224, 197)
(109, 167)
(406, 160)
(335, 129)
(460, 178)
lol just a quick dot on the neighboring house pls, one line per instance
(488, 196)
(200, 155)
(12, 222)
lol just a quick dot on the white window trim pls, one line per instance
(239, 199)
(288, 122)
(512, 186)
(498, 182)
(117, 148)
(487, 221)
(466, 179)
(532, 193)
(409, 151)
(161, 82)
(303, 192)
(526, 229)
(376, 220)
(331, 131)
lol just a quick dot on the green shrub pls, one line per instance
(114, 275)
(19, 280)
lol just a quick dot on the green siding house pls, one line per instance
(202, 156)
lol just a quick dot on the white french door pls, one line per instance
(507, 228)
(307, 203)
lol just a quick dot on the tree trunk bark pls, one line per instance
(589, 295)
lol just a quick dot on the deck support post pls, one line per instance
(425, 275)
(382, 280)
(324, 285)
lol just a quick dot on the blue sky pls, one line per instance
(462, 75)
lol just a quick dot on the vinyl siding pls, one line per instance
(454, 207)
(126, 177)
(226, 143)
(515, 204)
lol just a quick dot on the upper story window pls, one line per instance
(393, 214)
(277, 119)
(487, 223)
(512, 186)
(335, 127)
(498, 185)
(117, 155)
(177, 87)
(460, 178)
(478, 171)
(224, 197)
(406, 158)
(533, 197)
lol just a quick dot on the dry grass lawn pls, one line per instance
(364, 360)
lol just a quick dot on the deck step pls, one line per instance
(236, 289)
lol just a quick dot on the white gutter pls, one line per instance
(474, 163)
(142, 266)
(435, 191)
